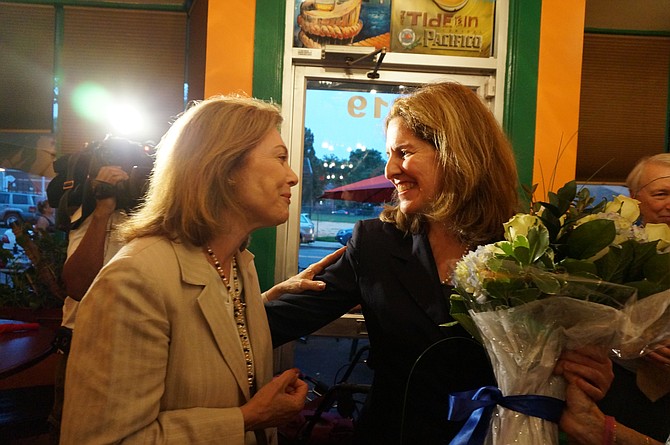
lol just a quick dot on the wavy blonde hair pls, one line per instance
(191, 193)
(479, 184)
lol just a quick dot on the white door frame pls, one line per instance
(293, 109)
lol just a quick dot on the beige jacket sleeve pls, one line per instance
(156, 357)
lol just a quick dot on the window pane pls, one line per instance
(120, 58)
(26, 67)
(344, 144)
(624, 104)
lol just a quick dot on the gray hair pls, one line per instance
(633, 179)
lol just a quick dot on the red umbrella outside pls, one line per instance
(373, 190)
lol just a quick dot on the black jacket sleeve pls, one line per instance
(294, 315)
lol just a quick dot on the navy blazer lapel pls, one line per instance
(415, 269)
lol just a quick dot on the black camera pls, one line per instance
(134, 158)
(74, 185)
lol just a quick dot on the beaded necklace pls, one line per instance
(239, 309)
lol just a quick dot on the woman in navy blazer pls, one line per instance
(456, 184)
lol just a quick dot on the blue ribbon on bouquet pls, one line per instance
(478, 405)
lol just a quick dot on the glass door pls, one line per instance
(335, 131)
(334, 127)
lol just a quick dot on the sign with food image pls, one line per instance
(444, 27)
(342, 22)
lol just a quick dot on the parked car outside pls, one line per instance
(307, 234)
(343, 236)
(18, 207)
(340, 212)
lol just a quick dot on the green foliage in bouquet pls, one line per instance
(567, 246)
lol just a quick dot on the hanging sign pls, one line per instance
(341, 22)
(443, 27)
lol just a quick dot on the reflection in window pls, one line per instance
(344, 144)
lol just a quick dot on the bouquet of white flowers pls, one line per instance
(569, 274)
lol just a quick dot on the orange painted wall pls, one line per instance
(230, 47)
(559, 83)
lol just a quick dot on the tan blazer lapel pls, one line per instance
(213, 303)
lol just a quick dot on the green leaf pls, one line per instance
(506, 247)
(520, 241)
(529, 191)
(646, 288)
(565, 196)
(468, 325)
(538, 242)
(613, 265)
(547, 283)
(499, 289)
(523, 296)
(579, 267)
(547, 262)
(522, 254)
(592, 288)
(641, 253)
(657, 270)
(554, 203)
(551, 207)
(553, 224)
(590, 238)
(568, 191)
(459, 312)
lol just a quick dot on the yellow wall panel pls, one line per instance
(230, 47)
(559, 81)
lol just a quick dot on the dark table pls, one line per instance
(23, 349)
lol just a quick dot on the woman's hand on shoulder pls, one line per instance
(304, 281)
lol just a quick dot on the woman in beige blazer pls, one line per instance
(172, 342)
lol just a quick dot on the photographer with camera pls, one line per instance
(92, 242)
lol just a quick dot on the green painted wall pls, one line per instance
(267, 84)
(523, 48)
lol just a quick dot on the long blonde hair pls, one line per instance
(479, 187)
(191, 188)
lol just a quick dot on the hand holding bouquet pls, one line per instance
(569, 274)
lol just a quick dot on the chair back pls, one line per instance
(450, 365)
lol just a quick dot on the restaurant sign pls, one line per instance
(443, 27)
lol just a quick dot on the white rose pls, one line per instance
(520, 225)
(627, 207)
(659, 232)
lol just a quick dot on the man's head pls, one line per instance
(649, 183)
